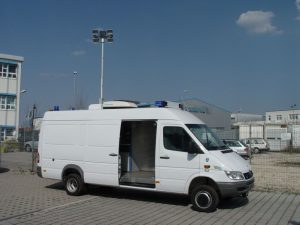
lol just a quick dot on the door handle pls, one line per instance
(113, 154)
(165, 157)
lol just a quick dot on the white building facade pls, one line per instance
(10, 85)
(291, 116)
(281, 129)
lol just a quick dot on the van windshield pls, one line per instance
(208, 138)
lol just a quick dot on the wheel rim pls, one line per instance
(203, 199)
(72, 185)
(27, 148)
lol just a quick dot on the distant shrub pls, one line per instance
(9, 146)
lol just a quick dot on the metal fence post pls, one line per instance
(32, 137)
(0, 153)
(250, 140)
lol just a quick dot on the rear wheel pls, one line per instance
(256, 150)
(204, 198)
(74, 184)
(27, 148)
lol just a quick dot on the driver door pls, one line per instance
(175, 165)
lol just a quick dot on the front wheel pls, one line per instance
(74, 185)
(204, 198)
(245, 195)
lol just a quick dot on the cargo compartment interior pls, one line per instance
(137, 153)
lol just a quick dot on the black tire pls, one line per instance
(245, 195)
(204, 198)
(256, 150)
(74, 184)
(27, 148)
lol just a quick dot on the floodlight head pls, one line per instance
(96, 31)
(96, 39)
(110, 40)
(102, 34)
(95, 35)
(109, 36)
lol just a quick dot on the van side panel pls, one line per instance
(62, 145)
(101, 153)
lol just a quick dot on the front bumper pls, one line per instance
(233, 189)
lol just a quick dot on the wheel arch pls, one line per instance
(72, 168)
(201, 180)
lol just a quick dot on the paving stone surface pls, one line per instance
(28, 199)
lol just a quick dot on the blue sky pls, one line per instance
(239, 55)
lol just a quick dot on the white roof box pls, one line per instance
(113, 105)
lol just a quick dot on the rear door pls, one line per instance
(175, 165)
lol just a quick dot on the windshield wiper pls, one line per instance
(212, 147)
(222, 147)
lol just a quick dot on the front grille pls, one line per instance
(248, 175)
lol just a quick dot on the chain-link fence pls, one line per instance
(275, 154)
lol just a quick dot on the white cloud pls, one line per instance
(78, 52)
(259, 22)
(298, 4)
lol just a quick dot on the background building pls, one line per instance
(10, 83)
(281, 129)
(246, 117)
(291, 116)
(215, 117)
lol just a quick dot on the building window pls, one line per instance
(8, 70)
(12, 71)
(7, 132)
(7, 102)
(294, 116)
(279, 117)
(269, 117)
(3, 70)
(2, 134)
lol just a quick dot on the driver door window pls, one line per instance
(177, 139)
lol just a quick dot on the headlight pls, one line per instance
(235, 175)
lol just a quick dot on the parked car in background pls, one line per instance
(238, 147)
(28, 146)
(258, 145)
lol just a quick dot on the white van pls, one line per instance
(156, 149)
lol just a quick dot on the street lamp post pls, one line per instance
(75, 73)
(23, 92)
(33, 114)
(101, 36)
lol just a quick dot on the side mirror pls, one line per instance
(193, 148)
